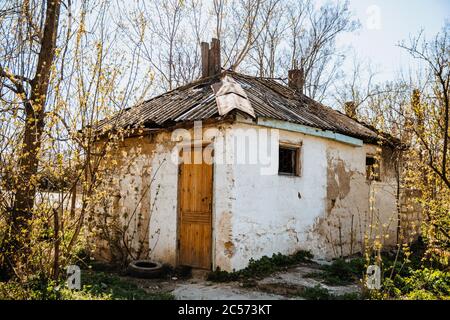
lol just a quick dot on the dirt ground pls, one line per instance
(279, 286)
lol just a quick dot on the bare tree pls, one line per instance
(26, 74)
(219, 6)
(84, 77)
(360, 91)
(313, 42)
(245, 24)
(266, 54)
(415, 109)
(167, 45)
(301, 34)
(432, 108)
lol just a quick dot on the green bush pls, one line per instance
(14, 291)
(223, 276)
(427, 283)
(421, 295)
(413, 276)
(420, 284)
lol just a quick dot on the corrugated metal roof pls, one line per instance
(268, 97)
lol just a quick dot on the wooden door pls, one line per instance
(195, 212)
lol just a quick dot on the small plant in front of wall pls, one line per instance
(340, 272)
(262, 267)
(320, 293)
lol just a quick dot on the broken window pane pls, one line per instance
(289, 161)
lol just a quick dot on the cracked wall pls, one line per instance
(328, 210)
(122, 220)
(224, 247)
(273, 212)
(357, 209)
(143, 193)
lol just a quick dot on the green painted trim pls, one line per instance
(289, 126)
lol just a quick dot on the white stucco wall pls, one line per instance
(276, 213)
(163, 202)
(273, 212)
(325, 210)
(164, 192)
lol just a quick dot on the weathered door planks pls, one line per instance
(195, 213)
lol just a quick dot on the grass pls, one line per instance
(320, 293)
(100, 284)
(95, 286)
(340, 272)
(262, 267)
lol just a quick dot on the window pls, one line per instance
(289, 160)
(372, 168)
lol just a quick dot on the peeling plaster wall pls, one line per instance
(273, 212)
(149, 166)
(325, 210)
(143, 193)
(163, 201)
(355, 207)
(127, 204)
(346, 198)
(224, 198)
(164, 194)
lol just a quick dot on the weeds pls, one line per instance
(413, 275)
(340, 272)
(118, 289)
(96, 286)
(420, 284)
(262, 267)
(319, 293)
(315, 293)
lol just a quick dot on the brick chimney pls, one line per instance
(211, 64)
(296, 79)
(350, 109)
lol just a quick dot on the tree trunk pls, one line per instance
(16, 241)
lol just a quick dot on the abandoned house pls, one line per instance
(327, 182)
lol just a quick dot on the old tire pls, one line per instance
(145, 269)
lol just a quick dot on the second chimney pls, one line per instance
(350, 109)
(211, 64)
(296, 79)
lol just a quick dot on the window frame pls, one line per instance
(297, 148)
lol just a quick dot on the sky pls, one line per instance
(385, 23)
